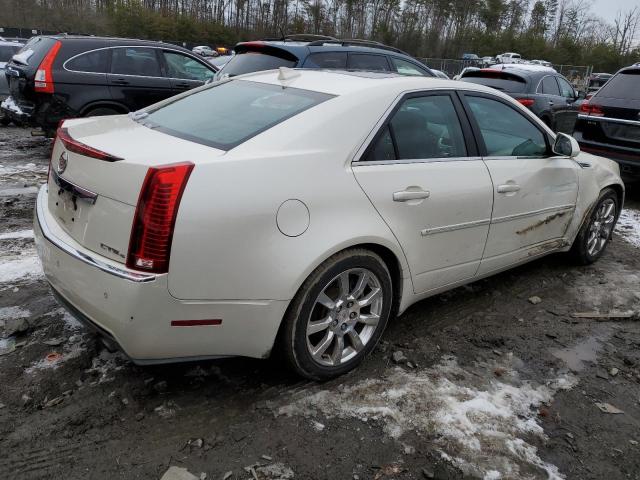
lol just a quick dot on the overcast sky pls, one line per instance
(608, 9)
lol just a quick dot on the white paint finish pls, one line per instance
(460, 192)
(292, 218)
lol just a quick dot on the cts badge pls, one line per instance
(62, 163)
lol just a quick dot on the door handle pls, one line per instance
(408, 195)
(121, 81)
(182, 85)
(508, 188)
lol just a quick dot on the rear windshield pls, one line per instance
(622, 85)
(247, 62)
(229, 113)
(8, 51)
(34, 51)
(498, 80)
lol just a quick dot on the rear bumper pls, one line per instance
(136, 310)
(627, 158)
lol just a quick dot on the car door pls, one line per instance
(568, 113)
(136, 78)
(535, 190)
(424, 177)
(185, 72)
(553, 102)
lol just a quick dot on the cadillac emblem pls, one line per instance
(62, 163)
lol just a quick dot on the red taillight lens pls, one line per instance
(587, 108)
(527, 102)
(75, 146)
(155, 218)
(44, 75)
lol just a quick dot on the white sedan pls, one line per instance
(302, 210)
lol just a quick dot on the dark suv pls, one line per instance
(544, 91)
(57, 77)
(308, 51)
(609, 122)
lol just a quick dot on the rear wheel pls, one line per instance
(338, 315)
(596, 232)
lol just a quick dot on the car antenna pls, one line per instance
(286, 74)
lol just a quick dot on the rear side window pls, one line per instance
(248, 62)
(94, 62)
(136, 61)
(549, 86)
(327, 60)
(499, 80)
(362, 61)
(229, 113)
(623, 85)
(8, 51)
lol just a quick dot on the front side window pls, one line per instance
(406, 68)
(505, 131)
(186, 68)
(229, 113)
(422, 128)
(135, 61)
(93, 62)
(566, 90)
(332, 60)
(362, 61)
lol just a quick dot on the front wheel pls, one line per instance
(596, 232)
(338, 315)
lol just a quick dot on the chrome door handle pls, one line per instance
(408, 195)
(508, 188)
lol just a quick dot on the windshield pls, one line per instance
(229, 113)
(247, 62)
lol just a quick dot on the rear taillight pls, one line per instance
(75, 146)
(527, 102)
(155, 217)
(587, 108)
(44, 75)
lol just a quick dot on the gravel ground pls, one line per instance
(485, 381)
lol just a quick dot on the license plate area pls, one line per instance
(72, 205)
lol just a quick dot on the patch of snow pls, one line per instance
(20, 267)
(17, 234)
(13, 312)
(628, 226)
(10, 192)
(478, 419)
(105, 363)
(9, 170)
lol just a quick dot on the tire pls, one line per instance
(594, 235)
(344, 320)
(101, 112)
(5, 121)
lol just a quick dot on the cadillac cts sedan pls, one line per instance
(302, 210)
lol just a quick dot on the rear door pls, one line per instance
(534, 192)
(82, 78)
(567, 120)
(423, 175)
(185, 72)
(136, 79)
(549, 92)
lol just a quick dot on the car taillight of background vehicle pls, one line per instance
(155, 217)
(44, 75)
(587, 108)
(527, 102)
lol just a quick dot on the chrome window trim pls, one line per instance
(416, 160)
(609, 119)
(83, 257)
(517, 216)
(64, 65)
(453, 228)
(543, 93)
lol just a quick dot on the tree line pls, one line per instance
(561, 31)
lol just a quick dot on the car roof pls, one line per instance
(631, 68)
(344, 82)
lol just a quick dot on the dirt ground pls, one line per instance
(486, 381)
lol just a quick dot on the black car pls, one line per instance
(596, 81)
(59, 76)
(609, 122)
(315, 51)
(544, 91)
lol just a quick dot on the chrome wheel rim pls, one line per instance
(601, 227)
(344, 317)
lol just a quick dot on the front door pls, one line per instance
(185, 72)
(535, 191)
(423, 175)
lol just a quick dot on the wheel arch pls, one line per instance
(103, 104)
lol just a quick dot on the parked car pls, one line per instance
(544, 91)
(7, 50)
(440, 74)
(56, 77)
(596, 80)
(487, 61)
(324, 53)
(470, 56)
(375, 191)
(609, 122)
(205, 51)
(219, 61)
(544, 63)
(509, 57)
(465, 70)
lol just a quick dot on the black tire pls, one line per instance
(294, 341)
(5, 121)
(101, 112)
(580, 248)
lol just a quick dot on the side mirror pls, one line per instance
(566, 146)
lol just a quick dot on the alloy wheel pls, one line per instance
(601, 227)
